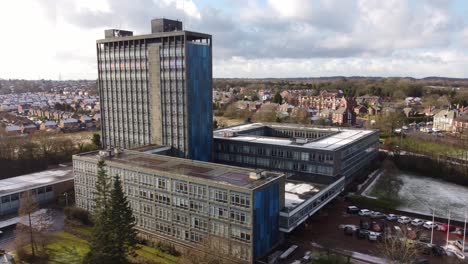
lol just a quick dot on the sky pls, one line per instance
(48, 39)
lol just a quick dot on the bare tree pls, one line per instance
(399, 248)
(210, 251)
(32, 230)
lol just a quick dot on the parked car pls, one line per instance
(445, 227)
(376, 227)
(373, 236)
(364, 212)
(362, 233)
(438, 251)
(404, 220)
(459, 245)
(349, 231)
(391, 217)
(365, 225)
(377, 215)
(417, 222)
(352, 210)
(429, 225)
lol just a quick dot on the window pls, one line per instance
(197, 206)
(240, 217)
(219, 229)
(199, 223)
(162, 184)
(180, 187)
(219, 196)
(180, 202)
(162, 198)
(180, 218)
(240, 200)
(240, 234)
(219, 212)
(197, 191)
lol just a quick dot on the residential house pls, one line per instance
(69, 124)
(13, 130)
(443, 120)
(409, 111)
(460, 124)
(49, 126)
(28, 128)
(360, 110)
(87, 122)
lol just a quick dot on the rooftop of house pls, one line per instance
(35, 180)
(205, 171)
(331, 138)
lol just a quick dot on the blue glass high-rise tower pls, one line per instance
(157, 89)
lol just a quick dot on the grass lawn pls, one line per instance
(66, 248)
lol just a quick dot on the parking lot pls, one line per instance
(322, 229)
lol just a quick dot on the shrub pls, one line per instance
(77, 214)
(167, 248)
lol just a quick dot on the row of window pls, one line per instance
(275, 152)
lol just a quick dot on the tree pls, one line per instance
(96, 140)
(398, 248)
(277, 99)
(204, 252)
(33, 230)
(102, 242)
(388, 122)
(114, 236)
(123, 223)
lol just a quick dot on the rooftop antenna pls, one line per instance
(183, 14)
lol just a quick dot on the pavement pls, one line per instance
(7, 239)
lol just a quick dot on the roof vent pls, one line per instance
(300, 141)
(255, 176)
(230, 134)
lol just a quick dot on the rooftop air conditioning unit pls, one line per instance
(255, 176)
(230, 134)
(301, 140)
(103, 153)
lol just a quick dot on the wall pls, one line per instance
(199, 101)
(266, 219)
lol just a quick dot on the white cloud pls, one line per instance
(256, 39)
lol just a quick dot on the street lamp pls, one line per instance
(66, 199)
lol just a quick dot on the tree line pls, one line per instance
(26, 154)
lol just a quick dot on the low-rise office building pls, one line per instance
(314, 154)
(184, 201)
(44, 186)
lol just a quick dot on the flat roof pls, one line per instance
(213, 172)
(155, 35)
(298, 192)
(338, 137)
(35, 180)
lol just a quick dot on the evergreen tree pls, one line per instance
(123, 223)
(102, 242)
(277, 98)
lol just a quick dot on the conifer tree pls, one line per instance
(102, 242)
(123, 223)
